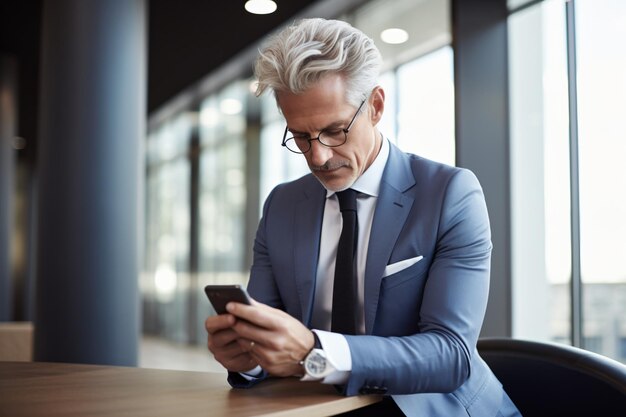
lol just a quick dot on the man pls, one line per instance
(410, 320)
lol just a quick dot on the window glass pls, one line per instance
(622, 348)
(540, 197)
(166, 261)
(222, 186)
(426, 106)
(540, 176)
(277, 163)
(388, 125)
(601, 63)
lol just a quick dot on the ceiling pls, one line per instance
(186, 41)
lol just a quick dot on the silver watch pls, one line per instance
(317, 366)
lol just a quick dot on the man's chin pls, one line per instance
(334, 184)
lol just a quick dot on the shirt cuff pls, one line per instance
(252, 374)
(337, 352)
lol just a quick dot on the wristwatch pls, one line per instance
(316, 364)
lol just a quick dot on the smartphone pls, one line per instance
(220, 295)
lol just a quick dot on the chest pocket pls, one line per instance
(400, 300)
(414, 271)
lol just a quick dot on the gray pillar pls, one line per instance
(482, 133)
(8, 121)
(90, 174)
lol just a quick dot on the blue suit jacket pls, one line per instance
(422, 323)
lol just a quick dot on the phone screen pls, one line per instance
(220, 295)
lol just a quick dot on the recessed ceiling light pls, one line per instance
(394, 36)
(260, 6)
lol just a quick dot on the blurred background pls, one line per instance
(135, 159)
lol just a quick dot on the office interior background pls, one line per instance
(530, 95)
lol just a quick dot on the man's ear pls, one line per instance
(377, 104)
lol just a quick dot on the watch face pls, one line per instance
(315, 364)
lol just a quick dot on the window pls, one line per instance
(544, 241)
(601, 62)
(277, 163)
(593, 343)
(221, 198)
(426, 106)
(540, 172)
(622, 348)
(166, 264)
(388, 125)
(222, 183)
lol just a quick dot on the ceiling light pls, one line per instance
(260, 6)
(394, 36)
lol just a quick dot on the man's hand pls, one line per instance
(274, 339)
(222, 342)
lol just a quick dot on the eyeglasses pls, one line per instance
(331, 138)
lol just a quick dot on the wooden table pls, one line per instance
(54, 389)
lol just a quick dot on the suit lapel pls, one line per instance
(308, 225)
(392, 209)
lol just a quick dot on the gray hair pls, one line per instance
(303, 53)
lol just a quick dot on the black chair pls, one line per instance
(548, 379)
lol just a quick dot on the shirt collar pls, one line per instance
(369, 182)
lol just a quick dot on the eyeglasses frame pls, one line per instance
(345, 132)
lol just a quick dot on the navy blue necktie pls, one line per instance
(345, 285)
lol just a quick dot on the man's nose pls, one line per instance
(319, 153)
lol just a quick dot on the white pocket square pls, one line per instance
(399, 266)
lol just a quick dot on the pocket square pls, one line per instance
(396, 267)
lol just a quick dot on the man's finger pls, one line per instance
(235, 360)
(222, 338)
(219, 322)
(257, 314)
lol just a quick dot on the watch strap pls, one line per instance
(317, 344)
